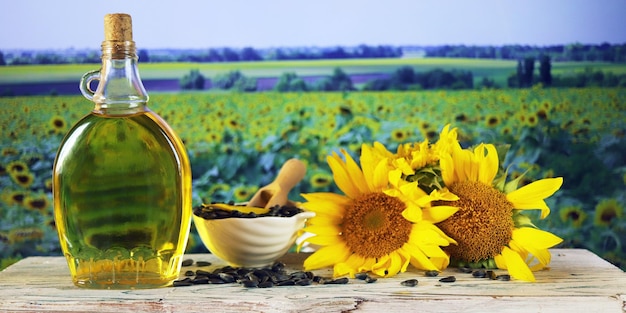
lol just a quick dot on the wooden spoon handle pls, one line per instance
(290, 174)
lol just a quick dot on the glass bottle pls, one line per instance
(122, 180)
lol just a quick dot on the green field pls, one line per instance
(236, 141)
(498, 70)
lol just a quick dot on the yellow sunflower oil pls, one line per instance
(121, 180)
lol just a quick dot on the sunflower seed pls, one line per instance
(431, 273)
(190, 273)
(449, 279)
(465, 269)
(266, 284)
(361, 276)
(480, 274)
(370, 280)
(187, 262)
(409, 283)
(492, 275)
(200, 280)
(286, 283)
(203, 263)
(250, 283)
(303, 282)
(227, 278)
(181, 283)
(503, 277)
(338, 281)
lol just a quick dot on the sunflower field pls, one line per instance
(238, 141)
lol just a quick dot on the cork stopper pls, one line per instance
(118, 27)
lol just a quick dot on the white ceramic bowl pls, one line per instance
(250, 242)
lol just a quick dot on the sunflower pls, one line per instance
(57, 124)
(24, 180)
(37, 202)
(17, 167)
(606, 211)
(242, 193)
(419, 161)
(573, 213)
(490, 226)
(381, 224)
(320, 180)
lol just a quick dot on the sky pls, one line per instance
(42, 24)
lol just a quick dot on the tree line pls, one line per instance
(407, 78)
(572, 52)
(575, 52)
(404, 78)
(207, 55)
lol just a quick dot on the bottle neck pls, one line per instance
(120, 89)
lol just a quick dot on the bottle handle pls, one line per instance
(85, 83)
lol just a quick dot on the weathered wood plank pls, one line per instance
(578, 281)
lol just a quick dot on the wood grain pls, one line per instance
(578, 281)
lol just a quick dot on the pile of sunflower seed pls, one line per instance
(266, 277)
(480, 273)
(208, 212)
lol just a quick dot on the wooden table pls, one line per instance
(578, 281)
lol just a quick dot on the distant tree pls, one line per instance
(404, 75)
(488, 83)
(529, 70)
(339, 81)
(2, 62)
(234, 80)
(290, 82)
(249, 54)
(143, 56)
(335, 53)
(545, 67)
(230, 55)
(519, 74)
(378, 84)
(215, 56)
(192, 81)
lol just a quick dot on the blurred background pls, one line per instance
(250, 85)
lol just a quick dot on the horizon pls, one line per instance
(197, 24)
(306, 47)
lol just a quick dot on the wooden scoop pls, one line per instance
(275, 193)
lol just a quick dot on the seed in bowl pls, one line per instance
(209, 212)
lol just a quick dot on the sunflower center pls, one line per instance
(482, 225)
(373, 225)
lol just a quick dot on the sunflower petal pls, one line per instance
(325, 203)
(412, 214)
(328, 230)
(516, 266)
(405, 257)
(532, 195)
(418, 259)
(341, 176)
(489, 165)
(324, 219)
(380, 267)
(355, 173)
(367, 162)
(537, 238)
(380, 179)
(536, 242)
(343, 269)
(350, 267)
(323, 240)
(367, 265)
(327, 256)
(396, 264)
(447, 169)
(439, 213)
